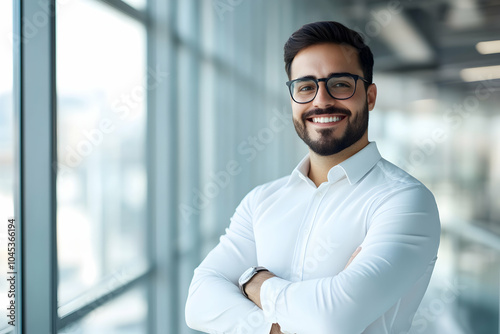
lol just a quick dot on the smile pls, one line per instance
(327, 119)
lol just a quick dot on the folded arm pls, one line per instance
(215, 304)
(399, 249)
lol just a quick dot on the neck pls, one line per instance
(321, 165)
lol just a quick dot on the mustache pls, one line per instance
(326, 111)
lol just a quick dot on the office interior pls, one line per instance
(131, 129)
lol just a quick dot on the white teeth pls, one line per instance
(326, 119)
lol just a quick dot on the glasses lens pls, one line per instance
(303, 90)
(341, 87)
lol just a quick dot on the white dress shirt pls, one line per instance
(305, 235)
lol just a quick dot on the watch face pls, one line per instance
(247, 275)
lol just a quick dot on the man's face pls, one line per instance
(326, 125)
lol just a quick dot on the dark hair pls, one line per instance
(328, 32)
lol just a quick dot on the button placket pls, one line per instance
(306, 231)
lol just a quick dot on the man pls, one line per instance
(344, 245)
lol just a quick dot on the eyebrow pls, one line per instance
(307, 77)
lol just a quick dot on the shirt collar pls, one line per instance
(301, 171)
(354, 168)
(360, 163)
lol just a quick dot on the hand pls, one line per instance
(252, 288)
(356, 252)
(275, 329)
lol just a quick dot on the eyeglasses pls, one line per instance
(340, 86)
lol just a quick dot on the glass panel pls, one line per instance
(127, 314)
(101, 189)
(448, 138)
(6, 146)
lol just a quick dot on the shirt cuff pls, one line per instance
(269, 294)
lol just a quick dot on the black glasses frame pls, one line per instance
(317, 81)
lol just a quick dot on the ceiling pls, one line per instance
(432, 39)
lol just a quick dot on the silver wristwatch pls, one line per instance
(247, 276)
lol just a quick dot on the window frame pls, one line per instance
(35, 109)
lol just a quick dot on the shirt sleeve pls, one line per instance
(399, 248)
(215, 303)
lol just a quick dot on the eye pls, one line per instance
(341, 84)
(305, 86)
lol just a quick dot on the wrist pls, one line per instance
(247, 276)
(253, 287)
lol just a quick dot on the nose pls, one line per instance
(323, 99)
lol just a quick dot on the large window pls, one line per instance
(101, 148)
(101, 190)
(87, 265)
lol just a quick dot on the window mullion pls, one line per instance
(36, 113)
(162, 169)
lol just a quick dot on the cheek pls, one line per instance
(354, 104)
(298, 110)
(360, 96)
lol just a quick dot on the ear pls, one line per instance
(371, 96)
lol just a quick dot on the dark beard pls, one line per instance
(328, 144)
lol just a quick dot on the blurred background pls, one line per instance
(169, 112)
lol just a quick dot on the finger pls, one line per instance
(356, 252)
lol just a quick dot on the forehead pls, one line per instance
(319, 60)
